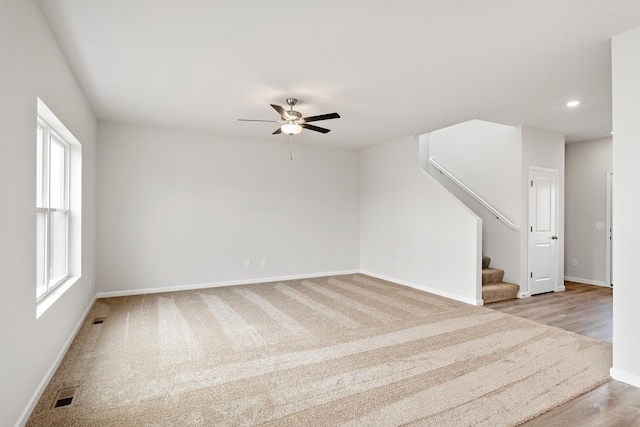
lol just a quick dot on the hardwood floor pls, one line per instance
(583, 309)
(586, 310)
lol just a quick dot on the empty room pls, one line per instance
(321, 213)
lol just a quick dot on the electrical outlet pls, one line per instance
(264, 262)
(247, 263)
(574, 262)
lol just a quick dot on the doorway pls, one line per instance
(609, 230)
(543, 238)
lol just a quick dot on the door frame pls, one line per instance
(609, 230)
(559, 248)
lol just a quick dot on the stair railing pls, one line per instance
(473, 194)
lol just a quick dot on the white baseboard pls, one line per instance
(625, 377)
(191, 287)
(586, 281)
(524, 294)
(425, 289)
(26, 413)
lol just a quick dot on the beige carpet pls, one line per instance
(345, 350)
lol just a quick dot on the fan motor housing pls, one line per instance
(294, 115)
(292, 122)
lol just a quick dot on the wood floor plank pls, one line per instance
(586, 310)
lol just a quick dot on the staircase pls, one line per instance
(493, 288)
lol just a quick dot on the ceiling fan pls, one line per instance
(292, 121)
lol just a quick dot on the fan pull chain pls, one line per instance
(290, 147)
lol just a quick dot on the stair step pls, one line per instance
(492, 275)
(495, 292)
(486, 261)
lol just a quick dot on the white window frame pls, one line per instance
(51, 244)
(62, 209)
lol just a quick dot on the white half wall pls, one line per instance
(587, 164)
(186, 208)
(33, 66)
(486, 157)
(412, 230)
(626, 207)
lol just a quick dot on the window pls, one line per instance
(52, 209)
(58, 205)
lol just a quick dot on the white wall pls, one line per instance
(486, 157)
(542, 149)
(423, 148)
(586, 166)
(33, 66)
(184, 208)
(626, 208)
(412, 230)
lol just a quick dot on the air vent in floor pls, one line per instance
(65, 397)
(98, 321)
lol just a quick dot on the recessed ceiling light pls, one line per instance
(573, 103)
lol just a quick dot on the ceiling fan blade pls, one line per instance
(316, 128)
(252, 120)
(277, 131)
(322, 117)
(279, 109)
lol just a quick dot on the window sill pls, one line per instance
(46, 302)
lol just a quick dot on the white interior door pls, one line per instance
(609, 229)
(543, 239)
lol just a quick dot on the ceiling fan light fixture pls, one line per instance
(291, 128)
(292, 123)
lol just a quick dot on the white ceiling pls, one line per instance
(390, 68)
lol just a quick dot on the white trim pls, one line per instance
(586, 281)
(52, 295)
(479, 261)
(195, 286)
(559, 287)
(625, 377)
(425, 288)
(524, 294)
(473, 194)
(37, 394)
(283, 278)
(608, 229)
(47, 115)
(54, 132)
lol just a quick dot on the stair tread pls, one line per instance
(494, 288)
(494, 292)
(492, 275)
(499, 285)
(485, 261)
